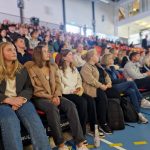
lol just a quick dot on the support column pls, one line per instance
(93, 18)
(21, 16)
(64, 14)
(20, 4)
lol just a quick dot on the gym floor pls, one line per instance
(134, 137)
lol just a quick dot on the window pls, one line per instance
(72, 28)
(89, 32)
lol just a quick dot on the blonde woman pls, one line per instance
(96, 89)
(15, 93)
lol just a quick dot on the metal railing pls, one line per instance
(16, 19)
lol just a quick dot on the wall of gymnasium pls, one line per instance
(104, 18)
(78, 12)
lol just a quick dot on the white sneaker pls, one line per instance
(101, 134)
(142, 119)
(83, 147)
(145, 103)
(63, 148)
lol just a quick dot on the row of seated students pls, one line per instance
(62, 88)
(16, 91)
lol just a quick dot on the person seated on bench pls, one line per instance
(15, 92)
(95, 89)
(73, 90)
(22, 55)
(78, 56)
(48, 97)
(125, 86)
(132, 70)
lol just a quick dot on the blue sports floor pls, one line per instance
(131, 138)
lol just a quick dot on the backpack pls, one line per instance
(130, 114)
(115, 114)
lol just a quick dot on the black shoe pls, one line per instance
(106, 129)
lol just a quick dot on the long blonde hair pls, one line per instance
(4, 73)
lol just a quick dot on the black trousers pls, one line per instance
(1, 144)
(81, 105)
(53, 117)
(91, 109)
(112, 93)
(143, 83)
(101, 106)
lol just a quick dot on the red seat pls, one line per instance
(40, 112)
(142, 90)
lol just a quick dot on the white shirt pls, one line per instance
(11, 88)
(132, 70)
(78, 60)
(70, 81)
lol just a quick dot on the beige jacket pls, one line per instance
(90, 78)
(42, 87)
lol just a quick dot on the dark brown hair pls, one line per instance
(37, 56)
(61, 64)
(132, 55)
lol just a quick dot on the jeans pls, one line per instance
(130, 88)
(10, 127)
(53, 117)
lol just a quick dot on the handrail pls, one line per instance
(16, 19)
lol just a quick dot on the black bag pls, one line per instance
(115, 115)
(130, 114)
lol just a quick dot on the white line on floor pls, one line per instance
(108, 142)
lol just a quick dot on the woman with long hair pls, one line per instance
(15, 92)
(48, 97)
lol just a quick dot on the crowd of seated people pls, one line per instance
(80, 83)
(125, 86)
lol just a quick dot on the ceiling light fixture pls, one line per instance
(148, 26)
(143, 23)
(104, 1)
